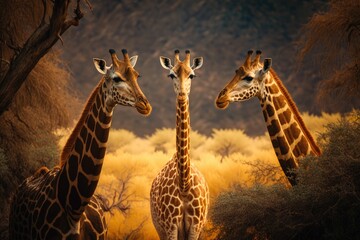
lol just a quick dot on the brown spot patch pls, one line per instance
(303, 145)
(75, 199)
(90, 122)
(102, 134)
(292, 133)
(79, 146)
(273, 89)
(279, 102)
(53, 234)
(285, 116)
(184, 134)
(274, 127)
(42, 214)
(86, 187)
(73, 167)
(296, 151)
(53, 212)
(265, 116)
(270, 110)
(283, 145)
(63, 188)
(83, 133)
(103, 117)
(96, 151)
(89, 167)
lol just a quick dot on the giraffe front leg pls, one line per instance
(173, 234)
(194, 232)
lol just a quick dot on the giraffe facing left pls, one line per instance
(60, 203)
(288, 133)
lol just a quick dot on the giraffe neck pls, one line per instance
(289, 135)
(183, 142)
(83, 155)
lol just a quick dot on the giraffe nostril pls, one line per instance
(143, 106)
(142, 100)
(222, 93)
(222, 100)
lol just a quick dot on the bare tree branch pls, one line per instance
(5, 61)
(44, 13)
(133, 233)
(16, 49)
(264, 173)
(120, 198)
(38, 44)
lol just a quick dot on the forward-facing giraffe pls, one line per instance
(59, 203)
(289, 136)
(179, 196)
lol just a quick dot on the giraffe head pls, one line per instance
(249, 81)
(181, 73)
(120, 83)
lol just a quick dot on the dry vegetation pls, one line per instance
(332, 38)
(35, 92)
(249, 160)
(241, 170)
(27, 141)
(324, 205)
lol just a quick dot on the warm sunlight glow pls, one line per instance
(226, 157)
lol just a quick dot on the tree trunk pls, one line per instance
(38, 44)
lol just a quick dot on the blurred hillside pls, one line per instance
(220, 31)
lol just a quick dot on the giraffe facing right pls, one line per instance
(289, 136)
(60, 203)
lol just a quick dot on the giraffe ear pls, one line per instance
(133, 60)
(165, 63)
(100, 65)
(197, 63)
(267, 65)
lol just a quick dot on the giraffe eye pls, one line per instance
(248, 78)
(192, 76)
(118, 79)
(172, 76)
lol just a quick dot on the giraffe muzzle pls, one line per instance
(222, 105)
(182, 97)
(222, 100)
(143, 106)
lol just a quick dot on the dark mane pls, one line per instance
(296, 112)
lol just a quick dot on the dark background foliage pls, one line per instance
(324, 205)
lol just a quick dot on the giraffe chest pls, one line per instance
(170, 207)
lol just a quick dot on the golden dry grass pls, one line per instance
(143, 157)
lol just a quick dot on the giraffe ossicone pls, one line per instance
(290, 138)
(60, 203)
(179, 196)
